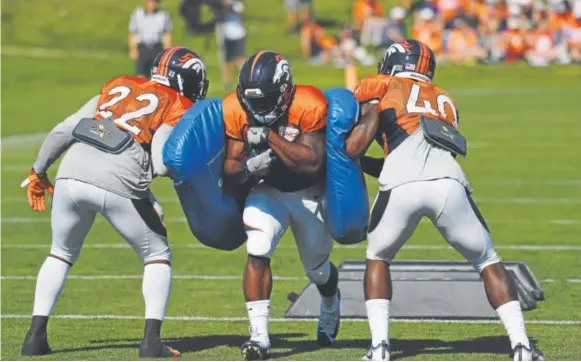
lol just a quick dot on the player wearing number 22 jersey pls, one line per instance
(115, 182)
(420, 177)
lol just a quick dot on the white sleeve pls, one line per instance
(157, 142)
(61, 136)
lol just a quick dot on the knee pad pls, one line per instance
(320, 275)
(259, 244)
(68, 256)
(163, 254)
(488, 258)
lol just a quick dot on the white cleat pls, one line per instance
(378, 353)
(522, 353)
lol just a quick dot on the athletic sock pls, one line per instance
(156, 288)
(378, 317)
(49, 285)
(330, 304)
(258, 313)
(512, 318)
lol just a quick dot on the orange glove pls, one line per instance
(36, 186)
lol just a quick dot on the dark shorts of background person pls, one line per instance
(233, 49)
(147, 54)
(295, 5)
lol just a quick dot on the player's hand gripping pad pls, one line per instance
(347, 203)
(194, 154)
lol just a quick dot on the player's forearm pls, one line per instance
(61, 137)
(299, 158)
(157, 143)
(234, 171)
(363, 133)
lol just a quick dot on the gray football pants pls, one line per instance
(75, 205)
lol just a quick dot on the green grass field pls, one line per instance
(523, 127)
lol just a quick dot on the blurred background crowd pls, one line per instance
(464, 32)
(460, 32)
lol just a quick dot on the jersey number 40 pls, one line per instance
(441, 99)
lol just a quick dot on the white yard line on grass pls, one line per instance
(53, 53)
(203, 277)
(181, 220)
(287, 320)
(529, 247)
(137, 276)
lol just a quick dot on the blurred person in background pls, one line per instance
(541, 44)
(572, 33)
(150, 30)
(191, 11)
(463, 45)
(297, 13)
(559, 15)
(489, 15)
(231, 37)
(395, 29)
(448, 10)
(368, 20)
(428, 30)
(316, 45)
(349, 50)
(514, 41)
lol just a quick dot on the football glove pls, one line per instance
(259, 165)
(257, 136)
(36, 185)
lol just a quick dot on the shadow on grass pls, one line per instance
(400, 348)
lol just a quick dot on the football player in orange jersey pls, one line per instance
(420, 177)
(113, 150)
(276, 141)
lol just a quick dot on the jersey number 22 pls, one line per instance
(122, 92)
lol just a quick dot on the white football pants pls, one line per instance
(397, 212)
(75, 205)
(269, 212)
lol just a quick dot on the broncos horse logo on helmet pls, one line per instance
(183, 70)
(409, 58)
(265, 87)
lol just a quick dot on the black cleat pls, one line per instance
(253, 351)
(35, 344)
(522, 353)
(153, 348)
(36, 341)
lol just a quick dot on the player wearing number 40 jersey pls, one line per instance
(113, 150)
(416, 124)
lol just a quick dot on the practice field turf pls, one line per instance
(523, 127)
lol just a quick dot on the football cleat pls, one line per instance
(153, 348)
(35, 344)
(329, 323)
(378, 353)
(254, 351)
(522, 353)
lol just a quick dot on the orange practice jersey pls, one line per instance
(514, 42)
(307, 113)
(401, 103)
(459, 41)
(430, 34)
(140, 106)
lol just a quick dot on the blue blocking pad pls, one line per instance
(347, 203)
(194, 154)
